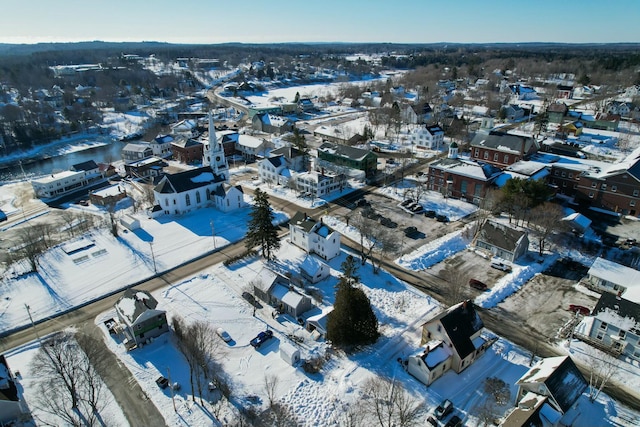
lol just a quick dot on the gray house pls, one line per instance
(502, 241)
(138, 313)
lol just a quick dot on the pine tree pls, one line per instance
(261, 230)
(352, 321)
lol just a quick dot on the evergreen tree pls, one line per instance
(352, 321)
(261, 230)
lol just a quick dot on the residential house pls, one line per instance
(611, 187)
(264, 282)
(251, 147)
(502, 241)
(270, 123)
(338, 135)
(577, 222)
(185, 191)
(108, 196)
(313, 270)
(161, 146)
(185, 128)
(351, 157)
(416, 113)
(314, 236)
(295, 159)
(614, 278)
(140, 317)
(557, 112)
(319, 184)
(274, 170)
(459, 178)
(571, 128)
(187, 150)
(502, 149)
(427, 137)
(523, 92)
(133, 152)
(451, 340)
(532, 410)
(305, 105)
(513, 112)
(556, 378)
(12, 405)
(289, 301)
(620, 108)
(59, 184)
(316, 322)
(564, 91)
(614, 324)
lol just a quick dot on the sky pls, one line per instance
(253, 21)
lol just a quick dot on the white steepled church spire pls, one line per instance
(213, 155)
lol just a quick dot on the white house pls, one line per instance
(251, 147)
(313, 270)
(319, 184)
(161, 146)
(615, 324)
(135, 151)
(608, 276)
(229, 197)
(142, 320)
(12, 404)
(428, 137)
(314, 236)
(274, 170)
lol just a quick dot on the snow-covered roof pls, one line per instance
(434, 353)
(292, 299)
(279, 291)
(617, 311)
(469, 168)
(311, 265)
(618, 274)
(265, 279)
(249, 141)
(56, 176)
(580, 220)
(134, 303)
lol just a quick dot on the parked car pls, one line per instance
(442, 218)
(500, 266)
(430, 213)
(261, 338)
(363, 202)
(223, 334)
(477, 284)
(579, 309)
(444, 409)
(3, 216)
(162, 382)
(432, 421)
(388, 223)
(455, 421)
(417, 208)
(410, 231)
(406, 202)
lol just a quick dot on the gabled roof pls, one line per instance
(562, 378)
(188, 180)
(461, 322)
(352, 153)
(469, 168)
(135, 302)
(500, 235)
(186, 143)
(434, 129)
(163, 139)
(300, 219)
(558, 107)
(618, 311)
(505, 142)
(617, 274)
(288, 151)
(276, 161)
(136, 147)
(85, 166)
(311, 265)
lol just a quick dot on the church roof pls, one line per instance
(188, 180)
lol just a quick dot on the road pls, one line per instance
(500, 322)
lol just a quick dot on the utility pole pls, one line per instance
(153, 257)
(32, 323)
(213, 234)
(173, 399)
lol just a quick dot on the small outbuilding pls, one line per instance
(289, 353)
(130, 222)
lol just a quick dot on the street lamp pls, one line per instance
(213, 234)
(153, 257)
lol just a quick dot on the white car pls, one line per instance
(223, 334)
(500, 266)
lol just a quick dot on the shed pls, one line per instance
(289, 353)
(130, 222)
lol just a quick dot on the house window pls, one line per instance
(603, 326)
(208, 194)
(564, 183)
(486, 155)
(570, 176)
(187, 199)
(564, 174)
(506, 158)
(476, 153)
(594, 185)
(495, 157)
(635, 193)
(166, 202)
(198, 200)
(556, 172)
(604, 186)
(174, 201)
(591, 195)
(632, 203)
(599, 336)
(614, 188)
(622, 334)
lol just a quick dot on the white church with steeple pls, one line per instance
(213, 153)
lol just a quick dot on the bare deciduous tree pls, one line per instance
(33, 241)
(546, 219)
(70, 386)
(602, 369)
(270, 388)
(389, 404)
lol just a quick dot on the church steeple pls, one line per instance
(213, 155)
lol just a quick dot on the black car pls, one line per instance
(455, 421)
(430, 214)
(261, 338)
(388, 223)
(444, 409)
(442, 218)
(406, 203)
(410, 231)
(162, 382)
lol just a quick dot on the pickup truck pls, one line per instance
(261, 338)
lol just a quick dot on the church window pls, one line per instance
(187, 200)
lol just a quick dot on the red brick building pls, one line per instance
(502, 149)
(461, 179)
(613, 187)
(187, 150)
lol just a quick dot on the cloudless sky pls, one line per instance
(267, 21)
